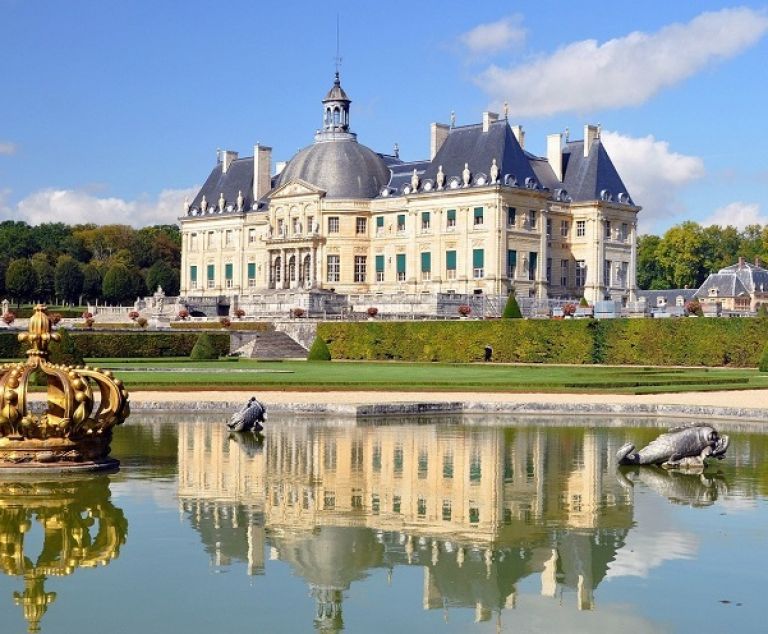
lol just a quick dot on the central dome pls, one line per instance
(336, 162)
(343, 168)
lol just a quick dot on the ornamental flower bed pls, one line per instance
(464, 310)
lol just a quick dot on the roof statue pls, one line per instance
(186, 205)
(466, 175)
(415, 180)
(72, 433)
(222, 202)
(203, 205)
(240, 200)
(440, 178)
(494, 171)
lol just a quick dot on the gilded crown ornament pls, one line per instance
(74, 431)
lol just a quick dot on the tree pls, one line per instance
(763, 364)
(649, 273)
(68, 279)
(319, 351)
(92, 281)
(119, 284)
(20, 280)
(512, 308)
(680, 255)
(162, 274)
(45, 277)
(203, 348)
(16, 239)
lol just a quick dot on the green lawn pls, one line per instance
(183, 374)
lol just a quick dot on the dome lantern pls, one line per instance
(336, 108)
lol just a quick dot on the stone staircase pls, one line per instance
(271, 345)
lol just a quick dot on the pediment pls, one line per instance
(296, 187)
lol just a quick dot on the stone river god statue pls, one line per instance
(686, 447)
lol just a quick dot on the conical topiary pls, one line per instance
(512, 308)
(583, 302)
(319, 351)
(763, 364)
(203, 348)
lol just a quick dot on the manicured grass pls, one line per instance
(181, 374)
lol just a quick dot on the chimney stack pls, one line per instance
(438, 133)
(488, 119)
(262, 180)
(591, 132)
(519, 133)
(555, 154)
(226, 157)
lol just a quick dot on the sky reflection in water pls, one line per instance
(459, 525)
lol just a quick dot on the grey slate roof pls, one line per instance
(343, 168)
(402, 173)
(239, 177)
(735, 280)
(670, 294)
(586, 178)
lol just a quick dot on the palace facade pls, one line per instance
(481, 215)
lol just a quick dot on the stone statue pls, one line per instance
(685, 447)
(315, 227)
(415, 180)
(494, 172)
(440, 178)
(221, 202)
(203, 204)
(681, 487)
(466, 175)
(186, 205)
(240, 200)
(249, 418)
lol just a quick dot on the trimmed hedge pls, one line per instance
(708, 342)
(25, 312)
(259, 326)
(123, 344)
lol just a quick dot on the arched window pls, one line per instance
(278, 266)
(307, 269)
(292, 268)
(327, 116)
(336, 116)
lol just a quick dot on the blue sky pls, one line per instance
(113, 111)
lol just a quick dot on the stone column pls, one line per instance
(632, 272)
(541, 273)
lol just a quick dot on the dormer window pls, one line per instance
(661, 302)
(712, 292)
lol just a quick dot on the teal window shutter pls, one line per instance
(401, 220)
(379, 221)
(451, 214)
(193, 273)
(425, 217)
(450, 260)
(426, 261)
(211, 272)
(478, 258)
(511, 258)
(379, 263)
(401, 261)
(478, 212)
(251, 270)
(228, 271)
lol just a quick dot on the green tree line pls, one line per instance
(687, 253)
(56, 262)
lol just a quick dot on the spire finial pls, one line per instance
(337, 59)
(506, 109)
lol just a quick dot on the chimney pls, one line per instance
(741, 262)
(591, 132)
(262, 182)
(226, 157)
(488, 119)
(519, 133)
(555, 154)
(438, 133)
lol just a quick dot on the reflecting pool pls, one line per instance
(447, 525)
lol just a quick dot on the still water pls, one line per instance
(445, 525)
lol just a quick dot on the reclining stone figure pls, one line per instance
(249, 418)
(685, 447)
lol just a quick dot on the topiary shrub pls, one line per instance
(763, 363)
(512, 308)
(203, 349)
(319, 351)
(66, 352)
(583, 302)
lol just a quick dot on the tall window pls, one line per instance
(379, 268)
(193, 242)
(210, 239)
(531, 219)
(333, 268)
(310, 224)
(379, 225)
(549, 227)
(511, 216)
(228, 237)
(450, 222)
(549, 270)
(193, 277)
(608, 229)
(360, 266)
(228, 274)
(401, 223)
(607, 272)
(533, 260)
(251, 236)
(478, 263)
(564, 273)
(581, 273)
(450, 265)
(624, 232)
(211, 275)
(511, 263)
(400, 267)
(361, 226)
(296, 230)
(333, 224)
(280, 228)
(564, 228)
(426, 266)
(478, 217)
(278, 269)
(581, 228)
(425, 221)
(251, 274)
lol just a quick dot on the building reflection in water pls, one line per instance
(479, 508)
(81, 528)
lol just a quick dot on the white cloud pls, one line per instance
(73, 207)
(626, 71)
(7, 148)
(494, 36)
(737, 214)
(653, 174)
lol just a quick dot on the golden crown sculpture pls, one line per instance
(69, 434)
